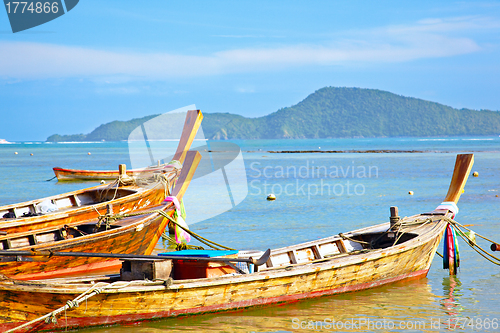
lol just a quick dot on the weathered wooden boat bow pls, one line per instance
(446, 211)
(461, 173)
(110, 226)
(400, 249)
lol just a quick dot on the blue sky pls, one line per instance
(118, 60)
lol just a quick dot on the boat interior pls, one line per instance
(342, 244)
(51, 235)
(59, 233)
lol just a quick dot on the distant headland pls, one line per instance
(330, 113)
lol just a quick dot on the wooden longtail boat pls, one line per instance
(137, 234)
(73, 174)
(145, 190)
(191, 125)
(361, 259)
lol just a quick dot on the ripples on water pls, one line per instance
(258, 224)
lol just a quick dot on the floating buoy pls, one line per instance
(15, 153)
(271, 197)
(475, 174)
(88, 153)
(496, 195)
(103, 182)
(410, 192)
(31, 154)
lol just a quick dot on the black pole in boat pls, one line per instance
(260, 261)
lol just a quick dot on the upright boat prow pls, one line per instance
(463, 166)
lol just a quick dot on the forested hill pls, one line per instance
(331, 113)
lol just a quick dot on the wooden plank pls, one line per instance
(293, 256)
(341, 246)
(33, 240)
(77, 201)
(463, 166)
(187, 173)
(269, 262)
(280, 259)
(191, 125)
(317, 254)
(327, 249)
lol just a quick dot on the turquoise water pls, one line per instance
(319, 195)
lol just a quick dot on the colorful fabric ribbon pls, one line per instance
(181, 236)
(174, 163)
(451, 255)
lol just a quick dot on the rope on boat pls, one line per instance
(482, 252)
(155, 178)
(398, 229)
(126, 180)
(108, 218)
(401, 224)
(201, 239)
(181, 246)
(96, 289)
(352, 239)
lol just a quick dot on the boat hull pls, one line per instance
(410, 260)
(74, 174)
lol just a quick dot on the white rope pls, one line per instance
(70, 304)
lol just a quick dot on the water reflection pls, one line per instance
(452, 288)
(410, 306)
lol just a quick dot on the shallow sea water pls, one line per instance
(318, 195)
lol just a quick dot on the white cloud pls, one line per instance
(429, 38)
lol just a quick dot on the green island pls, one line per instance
(330, 113)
